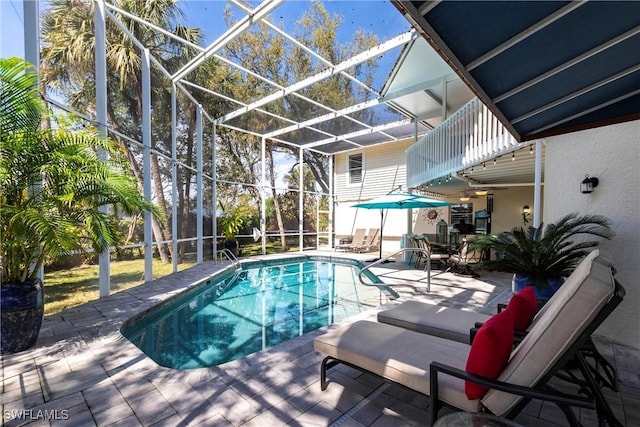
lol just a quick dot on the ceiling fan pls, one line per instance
(465, 196)
(483, 191)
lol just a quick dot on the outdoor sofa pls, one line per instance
(437, 366)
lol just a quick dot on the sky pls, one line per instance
(377, 16)
(11, 25)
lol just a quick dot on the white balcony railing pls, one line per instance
(470, 135)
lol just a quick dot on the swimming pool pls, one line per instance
(260, 305)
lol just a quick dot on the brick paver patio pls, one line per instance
(82, 372)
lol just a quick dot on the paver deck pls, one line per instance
(82, 372)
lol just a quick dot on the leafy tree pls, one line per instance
(269, 55)
(68, 67)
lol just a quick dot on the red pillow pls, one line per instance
(523, 307)
(489, 352)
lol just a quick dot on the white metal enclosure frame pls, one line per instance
(306, 133)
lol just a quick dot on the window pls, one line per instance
(462, 211)
(355, 168)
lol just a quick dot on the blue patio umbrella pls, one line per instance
(399, 200)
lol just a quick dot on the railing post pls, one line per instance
(468, 136)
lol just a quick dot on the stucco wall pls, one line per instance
(612, 154)
(507, 208)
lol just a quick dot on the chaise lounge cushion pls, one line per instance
(523, 307)
(399, 355)
(445, 322)
(490, 351)
(575, 306)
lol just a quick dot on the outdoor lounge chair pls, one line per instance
(435, 366)
(461, 325)
(356, 241)
(371, 243)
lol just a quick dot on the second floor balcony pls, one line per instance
(469, 136)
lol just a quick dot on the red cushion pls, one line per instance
(523, 307)
(489, 352)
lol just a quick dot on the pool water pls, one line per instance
(239, 313)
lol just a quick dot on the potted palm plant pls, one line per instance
(544, 256)
(231, 221)
(56, 191)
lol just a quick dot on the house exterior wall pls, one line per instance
(384, 169)
(507, 208)
(612, 154)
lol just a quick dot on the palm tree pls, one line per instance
(68, 65)
(53, 187)
(546, 252)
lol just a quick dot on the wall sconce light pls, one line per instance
(526, 214)
(588, 184)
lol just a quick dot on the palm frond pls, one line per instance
(20, 109)
(548, 251)
(55, 184)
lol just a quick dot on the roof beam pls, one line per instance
(324, 118)
(568, 64)
(374, 129)
(590, 110)
(389, 96)
(258, 14)
(577, 93)
(526, 33)
(433, 96)
(154, 27)
(427, 6)
(355, 60)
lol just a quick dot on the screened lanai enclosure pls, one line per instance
(229, 113)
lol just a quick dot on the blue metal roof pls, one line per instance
(543, 67)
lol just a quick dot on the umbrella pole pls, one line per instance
(381, 225)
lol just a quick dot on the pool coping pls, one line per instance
(129, 356)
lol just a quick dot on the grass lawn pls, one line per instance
(75, 286)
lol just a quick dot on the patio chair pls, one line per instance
(428, 253)
(435, 366)
(414, 241)
(461, 262)
(356, 240)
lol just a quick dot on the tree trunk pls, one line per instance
(276, 204)
(135, 169)
(164, 249)
(185, 195)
